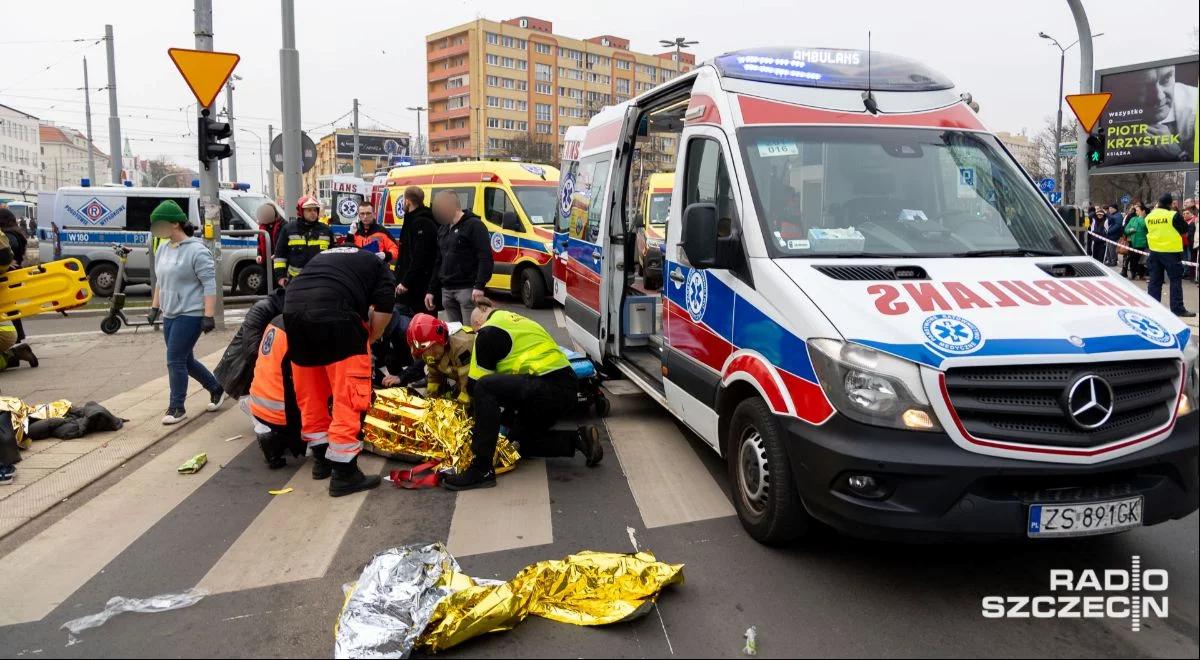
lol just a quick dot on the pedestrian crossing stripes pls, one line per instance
(304, 534)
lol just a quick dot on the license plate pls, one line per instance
(1047, 520)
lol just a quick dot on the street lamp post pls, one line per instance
(1062, 63)
(418, 109)
(679, 43)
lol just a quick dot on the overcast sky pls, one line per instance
(375, 51)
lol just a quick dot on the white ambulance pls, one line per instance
(871, 312)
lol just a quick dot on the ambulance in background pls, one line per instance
(872, 314)
(516, 202)
(572, 142)
(651, 225)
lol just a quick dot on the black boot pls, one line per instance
(269, 444)
(470, 479)
(322, 467)
(24, 353)
(348, 479)
(587, 442)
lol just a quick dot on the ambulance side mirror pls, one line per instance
(700, 235)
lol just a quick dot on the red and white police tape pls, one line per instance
(1141, 252)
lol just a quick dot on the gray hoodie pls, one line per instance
(186, 273)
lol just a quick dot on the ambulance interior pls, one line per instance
(655, 150)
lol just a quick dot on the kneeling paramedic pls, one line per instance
(272, 398)
(445, 349)
(340, 304)
(519, 377)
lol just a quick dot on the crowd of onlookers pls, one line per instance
(1128, 229)
(1157, 243)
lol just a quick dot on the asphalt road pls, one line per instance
(277, 564)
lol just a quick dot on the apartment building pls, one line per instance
(511, 88)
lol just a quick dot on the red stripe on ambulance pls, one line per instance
(894, 300)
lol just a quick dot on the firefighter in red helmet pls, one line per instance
(446, 351)
(301, 240)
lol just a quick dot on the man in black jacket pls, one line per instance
(465, 259)
(418, 252)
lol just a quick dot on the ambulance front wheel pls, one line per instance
(765, 495)
(532, 289)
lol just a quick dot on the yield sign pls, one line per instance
(1087, 108)
(204, 71)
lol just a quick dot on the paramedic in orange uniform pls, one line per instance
(273, 398)
(339, 305)
(372, 237)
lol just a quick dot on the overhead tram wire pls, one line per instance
(46, 68)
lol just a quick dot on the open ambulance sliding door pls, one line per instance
(562, 218)
(591, 262)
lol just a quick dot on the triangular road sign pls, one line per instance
(1087, 108)
(204, 71)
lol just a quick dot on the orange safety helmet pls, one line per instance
(307, 201)
(424, 331)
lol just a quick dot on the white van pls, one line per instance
(871, 312)
(91, 219)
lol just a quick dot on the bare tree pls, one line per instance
(529, 147)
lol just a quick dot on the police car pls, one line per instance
(90, 220)
(871, 313)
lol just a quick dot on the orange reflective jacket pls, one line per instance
(268, 390)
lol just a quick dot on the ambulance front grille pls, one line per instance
(1026, 403)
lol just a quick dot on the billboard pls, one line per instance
(1151, 118)
(372, 146)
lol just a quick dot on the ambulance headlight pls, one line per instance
(1191, 388)
(872, 387)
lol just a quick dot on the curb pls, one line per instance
(143, 430)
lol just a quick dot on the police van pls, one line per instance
(871, 313)
(90, 220)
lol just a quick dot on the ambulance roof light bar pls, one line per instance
(831, 68)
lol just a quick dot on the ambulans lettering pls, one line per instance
(895, 300)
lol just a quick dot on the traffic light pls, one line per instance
(211, 134)
(1095, 152)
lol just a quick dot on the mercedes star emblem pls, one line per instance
(1089, 402)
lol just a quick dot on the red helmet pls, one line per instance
(425, 331)
(307, 202)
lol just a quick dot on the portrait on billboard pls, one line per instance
(1151, 118)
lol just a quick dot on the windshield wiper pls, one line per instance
(1010, 252)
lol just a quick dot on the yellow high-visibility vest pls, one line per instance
(1160, 230)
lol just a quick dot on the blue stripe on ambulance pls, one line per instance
(926, 355)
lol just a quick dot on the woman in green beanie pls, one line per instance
(185, 295)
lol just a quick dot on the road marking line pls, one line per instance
(51, 566)
(300, 534)
(559, 318)
(669, 483)
(514, 514)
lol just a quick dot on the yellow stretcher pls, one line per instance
(50, 287)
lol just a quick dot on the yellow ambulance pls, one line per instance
(516, 202)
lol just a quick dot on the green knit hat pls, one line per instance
(168, 211)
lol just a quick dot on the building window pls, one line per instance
(543, 129)
(543, 72)
(544, 88)
(456, 102)
(456, 82)
(505, 41)
(624, 65)
(543, 111)
(622, 86)
(543, 49)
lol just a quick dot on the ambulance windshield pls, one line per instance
(895, 192)
(660, 206)
(539, 203)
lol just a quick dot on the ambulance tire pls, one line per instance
(531, 288)
(102, 277)
(764, 489)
